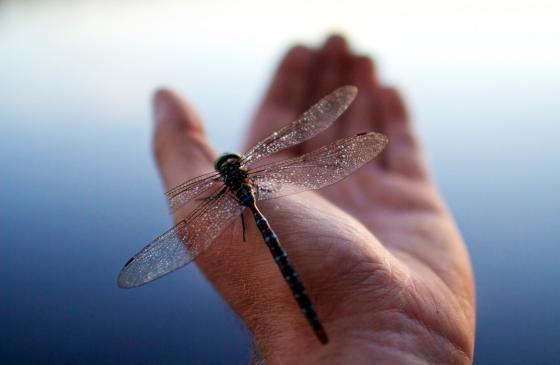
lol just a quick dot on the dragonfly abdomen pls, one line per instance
(290, 275)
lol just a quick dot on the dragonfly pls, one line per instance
(238, 182)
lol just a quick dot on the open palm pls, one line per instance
(378, 252)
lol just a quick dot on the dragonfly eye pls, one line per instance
(226, 157)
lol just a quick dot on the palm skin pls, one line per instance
(378, 252)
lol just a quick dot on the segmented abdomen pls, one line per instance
(289, 274)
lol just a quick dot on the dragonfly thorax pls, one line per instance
(233, 174)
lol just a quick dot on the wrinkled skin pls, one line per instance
(379, 253)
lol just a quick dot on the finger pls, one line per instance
(180, 146)
(364, 114)
(286, 96)
(332, 70)
(403, 153)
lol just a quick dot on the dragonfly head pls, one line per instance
(229, 158)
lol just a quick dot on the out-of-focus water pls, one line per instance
(79, 192)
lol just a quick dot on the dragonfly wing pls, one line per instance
(190, 189)
(318, 118)
(317, 169)
(183, 243)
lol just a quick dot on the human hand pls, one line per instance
(378, 252)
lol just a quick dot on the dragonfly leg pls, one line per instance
(203, 199)
(243, 225)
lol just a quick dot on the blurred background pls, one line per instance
(79, 192)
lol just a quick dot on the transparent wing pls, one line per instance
(317, 169)
(183, 243)
(318, 118)
(190, 189)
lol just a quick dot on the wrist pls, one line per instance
(293, 342)
(356, 348)
(355, 352)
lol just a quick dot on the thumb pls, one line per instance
(182, 152)
(180, 145)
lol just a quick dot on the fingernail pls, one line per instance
(161, 106)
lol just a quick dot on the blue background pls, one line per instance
(79, 192)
